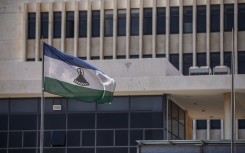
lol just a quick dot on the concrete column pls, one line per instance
(227, 116)
(24, 36)
(235, 35)
(208, 129)
(221, 32)
(37, 38)
(194, 33)
(194, 131)
(63, 25)
(141, 12)
(208, 33)
(101, 28)
(115, 30)
(167, 28)
(89, 16)
(76, 32)
(50, 22)
(181, 36)
(127, 28)
(154, 21)
(222, 129)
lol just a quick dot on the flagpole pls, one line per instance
(232, 95)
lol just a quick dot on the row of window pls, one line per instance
(216, 124)
(134, 21)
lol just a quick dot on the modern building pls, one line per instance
(171, 60)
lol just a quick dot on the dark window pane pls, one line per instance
(121, 23)
(181, 132)
(15, 139)
(23, 122)
(105, 138)
(47, 138)
(54, 121)
(22, 151)
(69, 24)
(108, 28)
(146, 120)
(214, 18)
(174, 59)
(112, 120)
(201, 124)
(31, 25)
(201, 19)
(241, 62)
(112, 150)
(3, 122)
(77, 106)
(181, 116)
(201, 59)
(153, 134)
(135, 135)
(82, 24)
(30, 139)
(95, 23)
(44, 25)
(88, 138)
(73, 138)
(118, 104)
(241, 124)
(58, 138)
(175, 111)
(227, 59)
(241, 17)
(228, 17)
(4, 106)
(133, 149)
(187, 63)
(215, 124)
(214, 59)
(134, 27)
(147, 25)
(3, 150)
(161, 20)
(57, 25)
(187, 19)
(77, 121)
(54, 150)
(3, 139)
(121, 137)
(80, 150)
(146, 103)
(24, 105)
(174, 20)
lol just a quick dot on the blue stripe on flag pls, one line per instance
(71, 60)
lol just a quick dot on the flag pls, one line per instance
(71, 77)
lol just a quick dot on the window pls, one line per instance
(147, 21)
(228, 17)
(108, 31)
(105, 138)
(187, 63)
(82, 24)
(201, 59)
(214, 18)
(31, 25)
(134, 27)
(69, 24)
(187, 19)
(44, 25)
(121, 23)
(241, 62)
(161, 21)
(201, 19)
(58, 138)
(201, 124)
(95, 23)
(73, 138)
(174, 59)
(241, 124)
(174, 20)
(57, 25)
(241, 17)
(214, 59)
(215, 124)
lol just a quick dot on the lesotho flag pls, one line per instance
(71, 77)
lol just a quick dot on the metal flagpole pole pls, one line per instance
(232, 94)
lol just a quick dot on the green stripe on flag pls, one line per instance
(76, 92)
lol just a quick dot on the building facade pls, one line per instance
(171, 59)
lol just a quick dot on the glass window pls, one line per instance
(69, 24)
(112, 149)
(201, 19)
(88, 138)
(241, 62)
(76, 121)
(15, 139)
(105, 138)
(181, 116)
(228, 17)
(214, 18)
(201, 124)
(47, 138)
(83, 150)
(146, 103)
(201, 59)
(30, 139)
(174, 59)
(161, 20)
(227, 59)
(112, 120)
(121, 23)
(3, 139)
(53, 150)
(54, 121)
(187, 63)
(57, 25)
(58, 138)
(78, 106)
(241, 17)
(95, 23)
(121, 137)
(73, 138)
(23, 122)
(44, 24)
(31, 25)
(215, 124)
(118, 104)
(24, 105)
(3, 122)
(4, 105)
(241, 124)
(187, 19)
(82, 24)
(146, 120)
(108, 28)
(135, 135)
(174, 20)
(154, 134)
(147, 25)
(134, 27)
(214, 59)
(181, 132)
(23, 151)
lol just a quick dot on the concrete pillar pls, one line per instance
(89, 16)
(141, 12)
(227, 116)
(63, 26)
(167, 28)
(127, 28)
(37, 38)
(208, 33)
(235, 35)
(222, 129)
(76, 32)
(208, 129)
(50, 23)
(114, 50)
(194, 131)
(102, 12)
(221, 32)
(194, 33)
(154, 21)
(24, 36)
(181, 36)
